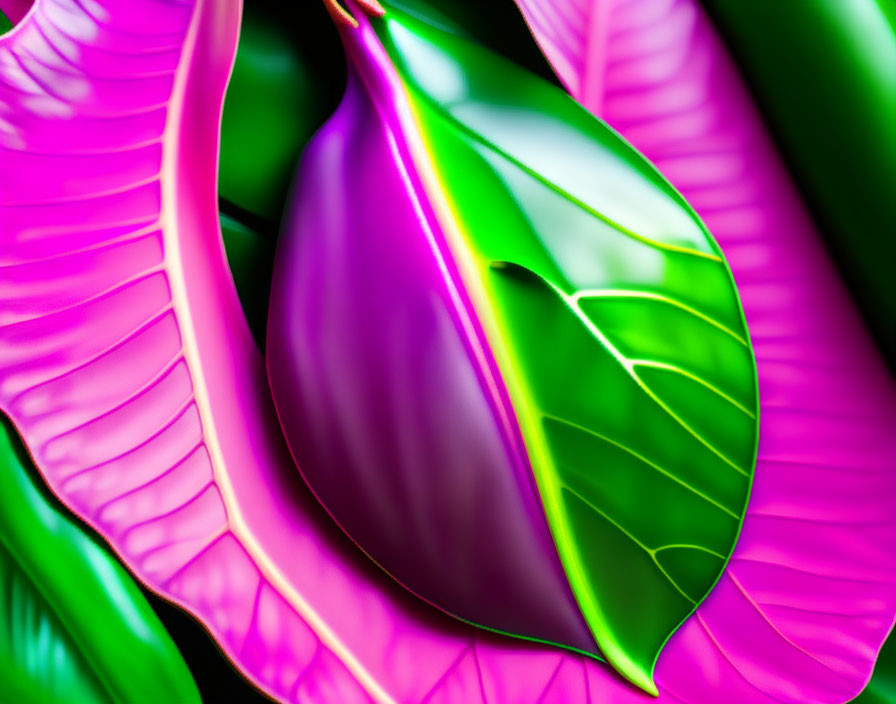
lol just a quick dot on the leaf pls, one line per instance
(329, 628)
(882, 687)
(250, 255)
(613, 325)
(285, 82)
(74, 627)
(125, 358)
(824, 73)
(823, 501)
(275, 101)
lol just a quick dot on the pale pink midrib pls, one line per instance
(187, 306)
(231, 443)
(298, 544)
(468, 659)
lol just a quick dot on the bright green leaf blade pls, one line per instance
(617, 328)
(5, 24)
(74, 626)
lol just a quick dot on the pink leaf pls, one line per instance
(127, 366)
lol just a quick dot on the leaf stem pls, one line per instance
(341, 16)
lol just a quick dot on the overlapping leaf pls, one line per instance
(300, 612)
(824, 77)
(74, 627)
(612, 320)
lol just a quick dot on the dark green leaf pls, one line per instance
(882, 687)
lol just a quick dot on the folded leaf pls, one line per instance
(125, 359)
(808, 596)
(325, 627)
(74, 627)
(557, 291)
(127, 365)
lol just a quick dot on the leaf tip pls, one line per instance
(630, 668)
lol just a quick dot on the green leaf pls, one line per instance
(882, 687)
(281, 90)
(74, 627)
(5, 24)
(824, 75)
(250, 254)
(615, 323)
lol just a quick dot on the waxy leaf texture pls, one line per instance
(74, 627)
(823, 495)
(562, 300)
(91, 89)
(824, 76)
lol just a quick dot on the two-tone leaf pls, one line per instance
(490, 306)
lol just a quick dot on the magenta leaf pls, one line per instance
(127, 366)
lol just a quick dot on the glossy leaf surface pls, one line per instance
(328, 628)
(74, 627)
(617, 334)
(660, 75)
(824, 73)
(120, 323)
(882, 687)
(648, 325)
